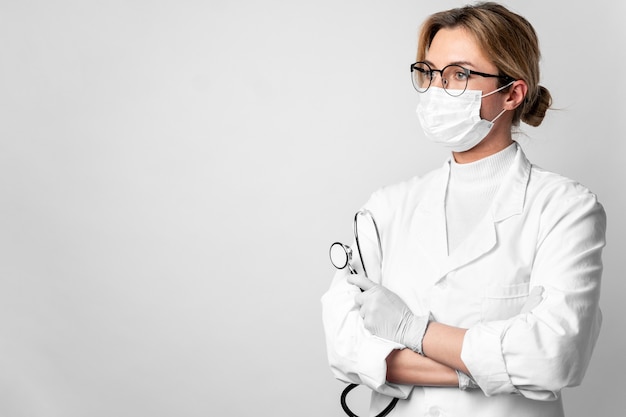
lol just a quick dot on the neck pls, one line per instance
(485, 148)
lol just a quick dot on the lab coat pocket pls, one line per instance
(504, 302)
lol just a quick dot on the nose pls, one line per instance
(437, 79)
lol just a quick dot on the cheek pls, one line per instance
(491, 106)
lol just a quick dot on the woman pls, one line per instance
(487, 303)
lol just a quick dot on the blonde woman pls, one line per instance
(487, 304)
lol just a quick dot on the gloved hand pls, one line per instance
(387, 316)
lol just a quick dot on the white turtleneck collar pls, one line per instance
(471, 190)
(487, 169)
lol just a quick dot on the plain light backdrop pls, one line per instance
(173, 172)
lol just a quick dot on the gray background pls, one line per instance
(173, 172)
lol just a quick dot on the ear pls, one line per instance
(516, 95)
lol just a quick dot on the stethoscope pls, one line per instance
(341, 257)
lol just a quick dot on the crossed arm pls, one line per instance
(408, 367)
(441, 344)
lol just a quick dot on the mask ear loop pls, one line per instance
(493, 92)
(499, 89)
(496, 118)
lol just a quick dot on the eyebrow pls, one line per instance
(453, 63)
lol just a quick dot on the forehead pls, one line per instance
(457, 45)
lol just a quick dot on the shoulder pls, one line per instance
(550, 187)
(559, 200)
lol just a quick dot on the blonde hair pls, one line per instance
(508, 40)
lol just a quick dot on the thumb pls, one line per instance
(361, 281)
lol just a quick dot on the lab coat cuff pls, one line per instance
(372, 357)
(465, 382)
(483, 357)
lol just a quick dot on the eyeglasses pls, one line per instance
(454, 77)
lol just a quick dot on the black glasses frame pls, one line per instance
(467, 71)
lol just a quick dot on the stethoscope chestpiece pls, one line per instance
(341, 256)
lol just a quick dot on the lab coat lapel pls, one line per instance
(480, 241)
(428, 226)
(508, 201)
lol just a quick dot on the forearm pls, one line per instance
(408, 367)
(386, 315)
(443, 344)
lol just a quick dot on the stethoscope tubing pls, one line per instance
(349, 412)
(369, 215)
(348, 252)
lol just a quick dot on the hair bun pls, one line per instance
(535, 110)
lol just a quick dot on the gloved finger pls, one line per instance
(361, 281)
(359, 299)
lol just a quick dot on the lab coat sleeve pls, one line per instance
(354, 354)
(548, 346)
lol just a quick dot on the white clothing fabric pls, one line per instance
(471, 189)
(525, 282)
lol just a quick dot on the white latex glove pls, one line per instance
(387, 316)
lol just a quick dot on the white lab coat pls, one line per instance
(526, 283)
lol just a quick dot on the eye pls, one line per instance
(460, 75)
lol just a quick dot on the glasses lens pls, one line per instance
(421, 75)
(454, 80)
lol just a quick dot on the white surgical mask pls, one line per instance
(454, 122)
